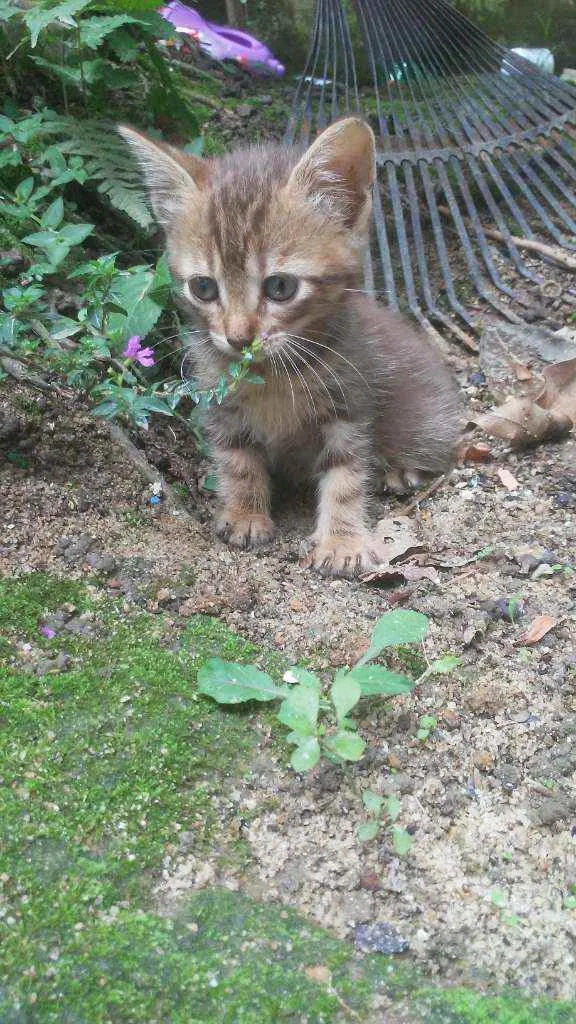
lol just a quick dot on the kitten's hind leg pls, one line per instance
(392, 480)
(244, 488)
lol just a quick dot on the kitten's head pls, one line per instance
(264, 242)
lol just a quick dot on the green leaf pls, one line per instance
(38, 17)
(24, 190)
(306, 755)
(393, 807)
(299, 711)
(347, 745)
(229, 683)
(94, 30)
(375, 680)
(53, 215)
(372, 802)
(345, 693)
(76, 233)
(443, 665)
(401, 841)
(394, 628)
(42, 239)
(369, 830)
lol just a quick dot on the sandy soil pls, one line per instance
(490, 796)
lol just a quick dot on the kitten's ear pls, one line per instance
(339, 169)
(171, 176)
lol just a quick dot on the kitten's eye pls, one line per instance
(204, 288)
(280, 287)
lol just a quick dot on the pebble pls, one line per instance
(553, 809)
(379, 938)
(245, 110)
(509, 776)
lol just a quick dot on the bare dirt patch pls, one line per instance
(490, 796)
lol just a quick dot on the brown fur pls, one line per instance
(349, 388)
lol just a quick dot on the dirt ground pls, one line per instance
(487, 893)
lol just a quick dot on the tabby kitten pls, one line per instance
(269, 242)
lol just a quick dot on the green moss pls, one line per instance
(461, 1006)
(103, 767)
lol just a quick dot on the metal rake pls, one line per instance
(475, 146)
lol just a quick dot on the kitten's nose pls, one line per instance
(239, 343)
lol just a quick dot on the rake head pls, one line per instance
(475, 147)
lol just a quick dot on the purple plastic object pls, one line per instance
(221, 42)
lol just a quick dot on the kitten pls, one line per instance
(269, 242)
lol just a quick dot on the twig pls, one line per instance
(17, 369)
(149, 472)
(405, 510)
(531, 244)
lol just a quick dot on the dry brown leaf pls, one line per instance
(560, 389)
(396, 537)
(520, 370)
(405, 573)
(475, 452)
(508, 479)
(541, 625)
(318, 973)
(522, 423)
(548, 416)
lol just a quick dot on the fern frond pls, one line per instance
(107, 162)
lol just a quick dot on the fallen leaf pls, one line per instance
(405, 573)
(537, 629)
(397, 537)
(559, 393)
(319, 973)
(508, 479)
(520, 370)
(523, 423)
(548, 416)
(474, 452)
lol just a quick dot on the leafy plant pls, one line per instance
(383, 811)
(75, 291)
(426, 726)
(319, 726)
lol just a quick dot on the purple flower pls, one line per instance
(134, 350)
(47, 631)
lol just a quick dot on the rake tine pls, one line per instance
(441, 248)
(458, 117)
(501, 224)
(384, 247)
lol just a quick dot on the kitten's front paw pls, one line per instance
(347, 556)
(247, 531)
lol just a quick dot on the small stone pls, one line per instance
(245, 110)
(266, 100)
(370, 881)
(394, 761)
(77, 550)
(358, 907)
(398, 783)
(519, 717)
(553, 809)
(509, 776)
(450, 718)
(379, 938)
(486, 699)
